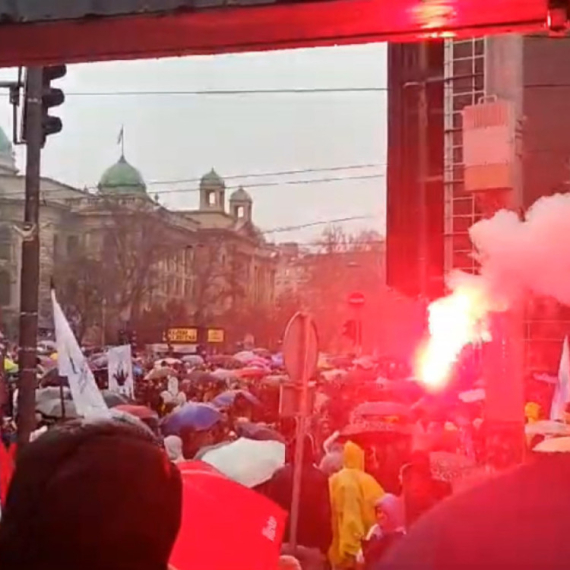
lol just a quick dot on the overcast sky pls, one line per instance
(180, 137)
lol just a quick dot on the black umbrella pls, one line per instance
(258, 432)
(112, 399)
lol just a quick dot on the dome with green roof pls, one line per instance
(7, 160)
(212, 180)
(240, 195)
(122, 178)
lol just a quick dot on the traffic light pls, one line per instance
(51, 97)
(350, 329)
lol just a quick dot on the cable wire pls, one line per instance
(45, 193)
(263, 174)
(318, 223)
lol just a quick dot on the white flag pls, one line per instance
(562, 390)
(71, 363)
(120, 369)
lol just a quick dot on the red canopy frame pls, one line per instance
(60, 37)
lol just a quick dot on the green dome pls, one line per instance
(240, 195)
(122, 178)
(212, 180)
(5, 143)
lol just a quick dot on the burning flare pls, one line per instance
(454, 322)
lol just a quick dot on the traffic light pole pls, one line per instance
(30, 272)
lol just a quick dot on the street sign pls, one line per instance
(182, 335)
(216, 335)
(300, 354)
(301, 347)
(356, 299)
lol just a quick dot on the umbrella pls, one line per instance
(47, 345)
(225, 525)
(141, 412)
(200, 377)
(167, 361)
(259, 432)
(553, 445)
(53, 408)
(51, 393)
(193, 360)
(51, 378)
(246, 356)
(252, 373)
(470, 396)
(113, 399)
(99, 360)
(381, 409)
(191, 415)
(160, 373)
(46, 362)
(247, 461)
(262, 353)
(225, 361)
(547, 427)
(227, 398)
(224, 374)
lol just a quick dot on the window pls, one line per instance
(212, 198)
(5, 288)
(5, 243)
(240, 212)
(55, 246)
(72, 244)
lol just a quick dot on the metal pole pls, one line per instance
(30, 272)
(301, 429)
(423, 167)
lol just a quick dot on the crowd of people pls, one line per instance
(377, 456)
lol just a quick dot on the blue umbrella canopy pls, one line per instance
(227, 398)
(193, 415)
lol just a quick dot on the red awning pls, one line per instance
(130, 29)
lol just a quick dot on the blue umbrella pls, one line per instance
(227, 398)
(192, 415)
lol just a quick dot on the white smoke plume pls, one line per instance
(524, 256)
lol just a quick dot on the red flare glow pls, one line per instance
(454, 322)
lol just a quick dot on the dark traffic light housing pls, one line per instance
(51, 97)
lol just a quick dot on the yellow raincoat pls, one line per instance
(353, 496)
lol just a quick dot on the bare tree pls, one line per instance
(219, 280)
(120, 270)
(81, 289)
(342, 263)
(136, 238)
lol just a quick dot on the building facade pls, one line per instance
(154, 255)
(403, 238)
(531, 73)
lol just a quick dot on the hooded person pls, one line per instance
(389, 529)
(314, 525)
(354, 495)
(98, 495)
(173, 448)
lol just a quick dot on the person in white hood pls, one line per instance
(173, 447)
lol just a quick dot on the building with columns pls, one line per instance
(193, 255)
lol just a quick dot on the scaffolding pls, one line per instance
(464, 84)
